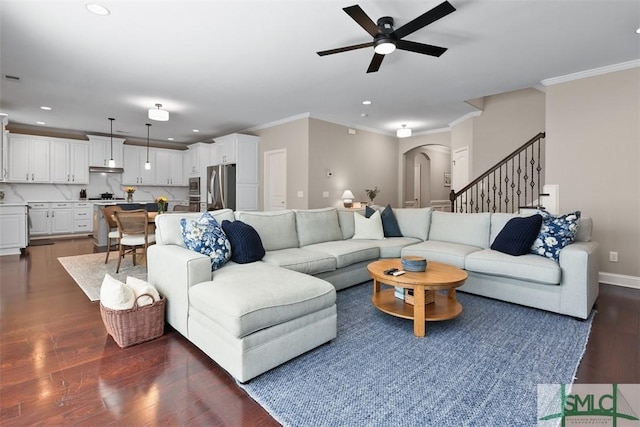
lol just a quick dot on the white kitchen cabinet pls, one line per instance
(50, 218)
(241, 150)
(61, 218)
(198, 157)
(224, 149)
(134, 172)
(4, 143)
(247, 160)
(246, 197)
(39, 219)
(29, 159)
(82, 217)
(13, 229)
(100, 150)
(69, 161)
(168, 167)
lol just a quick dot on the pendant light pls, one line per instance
(112, 163)
(147, 165)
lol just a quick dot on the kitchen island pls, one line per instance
(100, 226)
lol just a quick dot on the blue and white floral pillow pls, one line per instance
(556, 233)
(205, 236)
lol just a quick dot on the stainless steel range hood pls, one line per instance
(105, 169)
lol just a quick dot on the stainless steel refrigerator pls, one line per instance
(221, 187)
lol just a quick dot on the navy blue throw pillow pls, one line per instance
(368, 211)
(518, 235)
(390, 223)
(246, 245)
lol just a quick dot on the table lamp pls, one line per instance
(347, 198)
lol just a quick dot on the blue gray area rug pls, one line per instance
(481, 369)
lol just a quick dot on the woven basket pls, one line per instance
(429, 296)
(135, 325)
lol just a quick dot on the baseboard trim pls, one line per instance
(619, 280)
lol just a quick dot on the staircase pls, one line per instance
(513, 183)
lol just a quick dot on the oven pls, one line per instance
(194, 186)
(194, 194)
(194, 203)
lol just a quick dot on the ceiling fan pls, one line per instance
(386, 39)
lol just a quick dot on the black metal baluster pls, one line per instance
(500, 190)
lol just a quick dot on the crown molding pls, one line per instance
(277, 122)
(591, 73)
(432, 131)
(465, 117)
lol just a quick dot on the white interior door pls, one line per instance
(417, 184)
(275, 179)
(460, 168)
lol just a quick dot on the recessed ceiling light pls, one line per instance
(363, 115)
(170, 139)
(40, 123)
(196, 130)
(366, 102)
(44, 107)
(97, 9)
(638, 31)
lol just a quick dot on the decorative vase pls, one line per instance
(129, 197)
(162, 207)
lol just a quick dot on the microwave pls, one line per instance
(194, 186)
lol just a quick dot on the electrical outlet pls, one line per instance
(300, 193)
(613, 256)
(325, 194)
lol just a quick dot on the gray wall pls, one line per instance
(434, 163)
(405, 145)
(508, 120)
(293, 137)
(593, 153)
(315, 147)
(358, 161)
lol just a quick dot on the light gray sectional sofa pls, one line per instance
(252, 317)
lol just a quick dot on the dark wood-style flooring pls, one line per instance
(59, 367)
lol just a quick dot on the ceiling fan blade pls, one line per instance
(362, 19)
(425, 49)
(440, 11)
(344, 49)
(374, 66)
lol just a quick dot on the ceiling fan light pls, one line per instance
(158, 114)
(384, 46)
(403, 132)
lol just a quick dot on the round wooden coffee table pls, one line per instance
(438, 276)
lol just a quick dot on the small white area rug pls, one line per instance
(88, 271)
